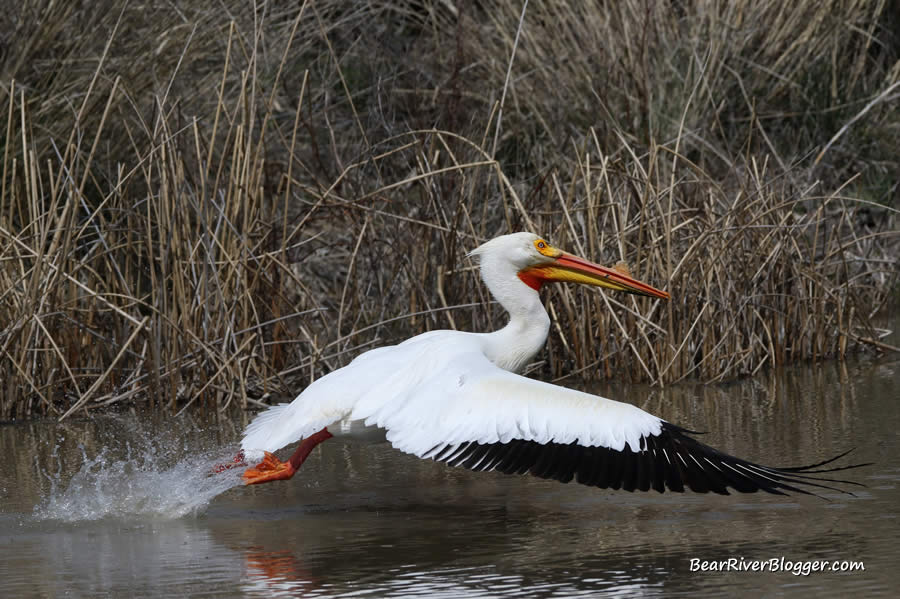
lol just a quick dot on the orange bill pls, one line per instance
(567, 267)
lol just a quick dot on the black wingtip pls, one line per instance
(792, 479)
(823, 463)
(671, 459)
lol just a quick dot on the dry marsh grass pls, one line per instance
(210, 207)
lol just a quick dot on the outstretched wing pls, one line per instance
(475, 415)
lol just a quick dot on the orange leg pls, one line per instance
(271, 468)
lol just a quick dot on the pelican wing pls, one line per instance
(471, 413)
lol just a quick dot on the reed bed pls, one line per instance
(209, 208)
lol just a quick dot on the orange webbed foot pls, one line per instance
(271, 468)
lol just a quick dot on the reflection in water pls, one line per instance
(368, 521)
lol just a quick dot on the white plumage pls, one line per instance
(439, 389)
(456, 397)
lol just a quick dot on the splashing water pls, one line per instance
(137, 487)
(154, 479)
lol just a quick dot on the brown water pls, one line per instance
(121, 506)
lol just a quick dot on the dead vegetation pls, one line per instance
(209, 207)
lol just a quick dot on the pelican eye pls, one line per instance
(544, 247)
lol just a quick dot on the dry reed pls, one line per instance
(229, 203)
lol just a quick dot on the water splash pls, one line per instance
(147, 476)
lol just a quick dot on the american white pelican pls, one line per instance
(455, 397)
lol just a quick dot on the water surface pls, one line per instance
(122, 506)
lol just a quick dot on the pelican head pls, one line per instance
(535, 262)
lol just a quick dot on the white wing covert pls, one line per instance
(471, 399)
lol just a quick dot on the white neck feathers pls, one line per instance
(513, 346)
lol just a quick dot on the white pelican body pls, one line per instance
(439, 389)
(455, 397)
